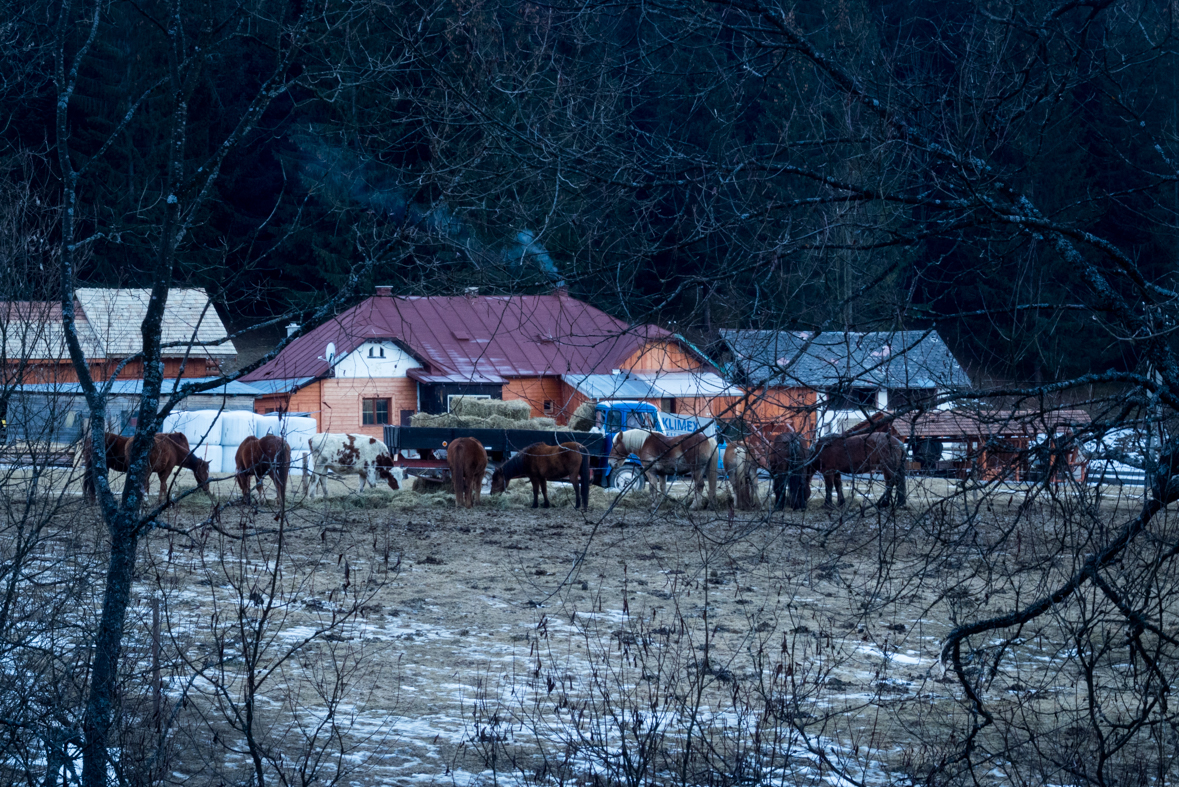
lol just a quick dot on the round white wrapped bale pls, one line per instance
(297, 431)
(236, 426)
(200, 427)
(228, 460)
(210, 453)
(266, 424)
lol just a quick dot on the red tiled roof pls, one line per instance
(472, 338)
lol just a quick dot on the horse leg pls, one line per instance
(828, 484)
(535, 492)
(544, 490)
(839, 487)
(779, 484)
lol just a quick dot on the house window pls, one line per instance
(667, 405)
(376, 352)
(549, 407)
(375, 412)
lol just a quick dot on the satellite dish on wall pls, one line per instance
(330, 352)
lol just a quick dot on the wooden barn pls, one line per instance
(824, 382)
(108, 324)
(391, 356)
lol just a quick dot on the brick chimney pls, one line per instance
(384, 292)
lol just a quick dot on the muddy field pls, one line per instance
(402, 642)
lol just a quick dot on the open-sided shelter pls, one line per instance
(824, 381)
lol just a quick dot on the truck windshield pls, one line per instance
(636, 419)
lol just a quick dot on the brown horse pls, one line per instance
(169, 452)
(661, 456)
(741, 468)
(543, 463)
(257, 458)
(467, 460)
(116, 459)
(861, 453)
(787, 469)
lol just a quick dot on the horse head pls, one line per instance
(619, 453)
(499, 484)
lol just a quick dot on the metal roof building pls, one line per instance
(898, 359)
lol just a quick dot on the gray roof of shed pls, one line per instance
(134, 387)
(115, 316)
(897, 359)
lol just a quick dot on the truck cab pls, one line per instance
(612, 417)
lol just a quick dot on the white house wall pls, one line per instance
(358, 363)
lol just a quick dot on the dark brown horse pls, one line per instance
(467, 460)
(861, 453)
(661, 456)
(116, 459)
(169, 452)
(543, 463)
(257, 458)
(788, 470)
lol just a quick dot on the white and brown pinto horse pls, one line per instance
(662, 456)
(365, 456)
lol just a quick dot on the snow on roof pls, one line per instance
(471, 339)
(896, 359)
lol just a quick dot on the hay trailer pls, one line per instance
(425, 441)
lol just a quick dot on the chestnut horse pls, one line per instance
(661, 456)
(168, 452)
(116, 459)
(543, 463)
(741, 468)
(467, 460)
(788, 471)
(861, 453)
(260, 457)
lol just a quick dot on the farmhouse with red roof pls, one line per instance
(391, 356)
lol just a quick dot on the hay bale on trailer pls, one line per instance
(583, 416)
(453, 421)
(472, 407)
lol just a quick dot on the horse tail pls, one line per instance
(585, 477)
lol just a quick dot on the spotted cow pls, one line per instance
(366, 456)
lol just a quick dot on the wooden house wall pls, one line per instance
(663, 356)
(536, 390)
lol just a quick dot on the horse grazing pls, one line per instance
(861, 453)
(788, 461)
(543, 463)
(168, 452)
(662, 456)
(468, 461)
(366, 456)
(116, 459)
(741, 468)
(260, 457)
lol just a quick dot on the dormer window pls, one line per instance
(376, 352)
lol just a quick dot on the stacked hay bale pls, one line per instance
(583, 417)
(471, 413)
